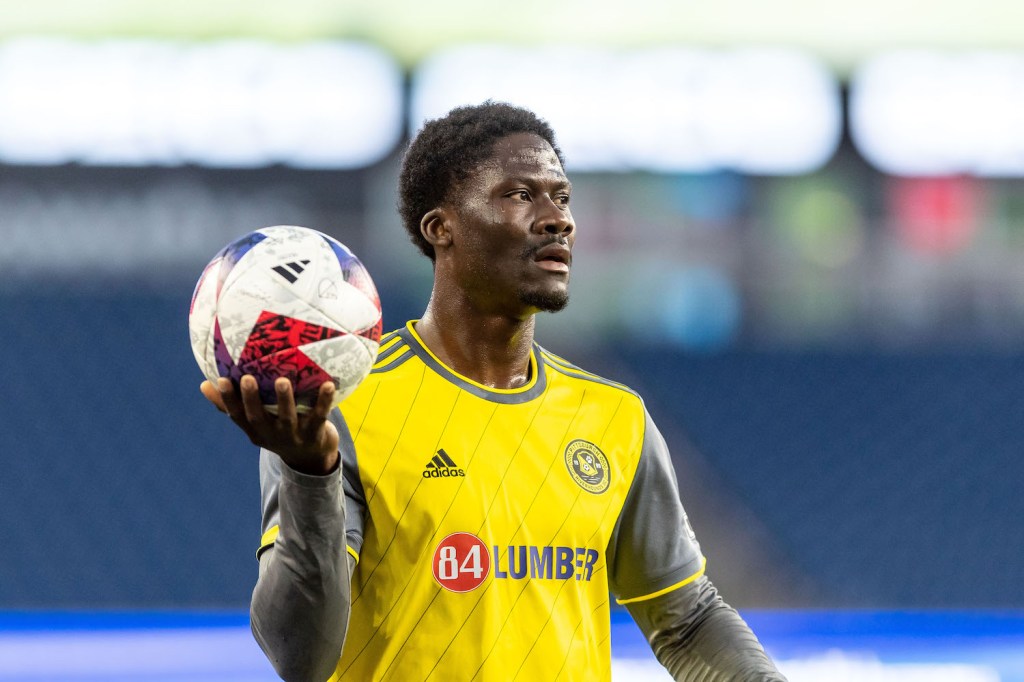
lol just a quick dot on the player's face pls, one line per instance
(515, 233)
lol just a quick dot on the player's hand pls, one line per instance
(307, 443)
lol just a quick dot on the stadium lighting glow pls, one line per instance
(930, 113)
(759, 111)
(231, 104)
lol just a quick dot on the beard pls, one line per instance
(545, 301)
(548, 301)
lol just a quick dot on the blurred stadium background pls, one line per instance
(801, 239)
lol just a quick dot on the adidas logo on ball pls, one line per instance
(297, 268)
(442, 466)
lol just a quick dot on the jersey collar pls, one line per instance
(533, 388)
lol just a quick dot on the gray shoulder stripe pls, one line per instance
(390, 366)
(390, 351)
(577, 373)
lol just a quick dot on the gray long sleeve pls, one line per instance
(700, 638)
(300, 605)
(693, 632)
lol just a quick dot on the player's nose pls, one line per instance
(554, 219)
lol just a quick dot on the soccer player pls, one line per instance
(467, 511)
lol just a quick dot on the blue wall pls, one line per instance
(122, 486)
(891, 480)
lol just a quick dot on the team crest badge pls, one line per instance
(588, 466)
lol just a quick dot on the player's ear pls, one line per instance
(436, 227)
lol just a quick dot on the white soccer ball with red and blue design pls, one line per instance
(286, 301)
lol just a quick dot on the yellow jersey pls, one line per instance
(492, 525)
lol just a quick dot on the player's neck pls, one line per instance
(493, 350)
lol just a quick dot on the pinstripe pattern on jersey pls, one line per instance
(490, 506)
(402, 418)
(425, 553)
(394, 534)
(488, 587)
(579, 495)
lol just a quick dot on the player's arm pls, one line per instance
(697, 636)
(299, 610)
(300, 606)
(657, 571)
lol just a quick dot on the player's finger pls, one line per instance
(212, 393)
(324, 400)
(317, 415)
(230, 399)
(286, 414)
(234, 407)
(251, 402)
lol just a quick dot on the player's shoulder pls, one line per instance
(560, 366)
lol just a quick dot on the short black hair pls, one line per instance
(447, 150)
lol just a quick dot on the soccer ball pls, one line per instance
(286, 301)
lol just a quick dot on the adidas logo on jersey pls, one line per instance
(442, 466)
(287, 269)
